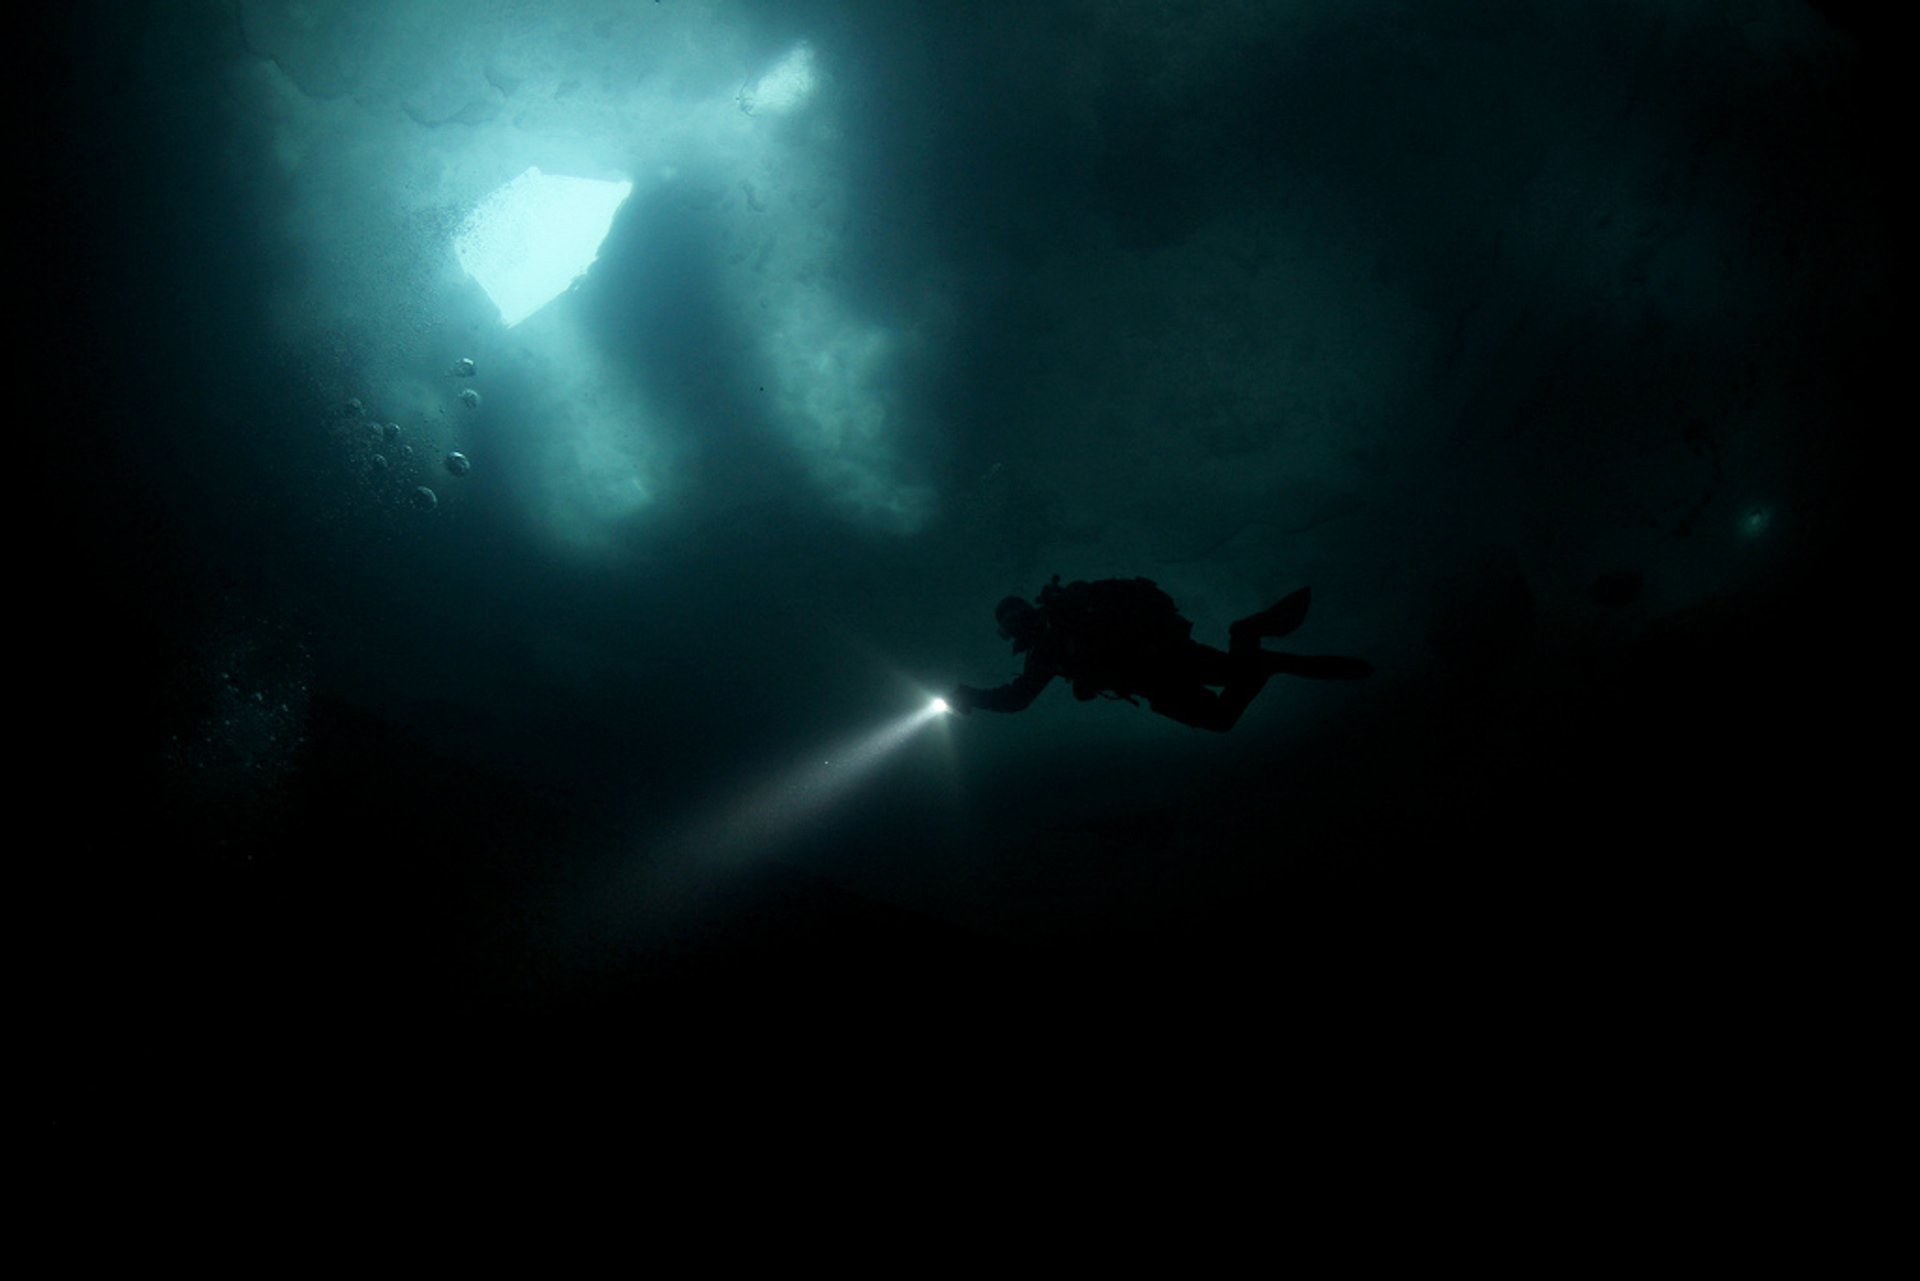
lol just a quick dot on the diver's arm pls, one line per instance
(1011, 697)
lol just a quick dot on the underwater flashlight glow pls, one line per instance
(762, 815)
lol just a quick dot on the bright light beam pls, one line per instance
(687, 863)
(780, 804)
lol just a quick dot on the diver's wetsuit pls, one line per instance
(1175, 678)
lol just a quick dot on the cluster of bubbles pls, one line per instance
(243, 730)
(391, 453)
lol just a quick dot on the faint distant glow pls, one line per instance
(528, 241)
(783, 89)
(1756, 520)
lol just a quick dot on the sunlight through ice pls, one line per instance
(528, 241)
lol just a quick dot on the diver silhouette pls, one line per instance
(1124, 638)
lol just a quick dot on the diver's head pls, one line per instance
(1019, 622)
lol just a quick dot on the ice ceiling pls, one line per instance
(455, 169)
(1123, 293)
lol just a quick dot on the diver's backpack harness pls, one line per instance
(1112, 632)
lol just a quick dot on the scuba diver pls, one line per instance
(1124, 638)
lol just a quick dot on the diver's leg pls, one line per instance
(1275, 620)
(1241, 674)
(1244, 683)
(1205, 665)
(1278, 620)
(1246, 675)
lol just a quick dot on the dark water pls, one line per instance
(1537, 343)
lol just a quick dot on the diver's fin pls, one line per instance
(1324, 667)
(1278, 620)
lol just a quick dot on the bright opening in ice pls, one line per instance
(528, 241)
